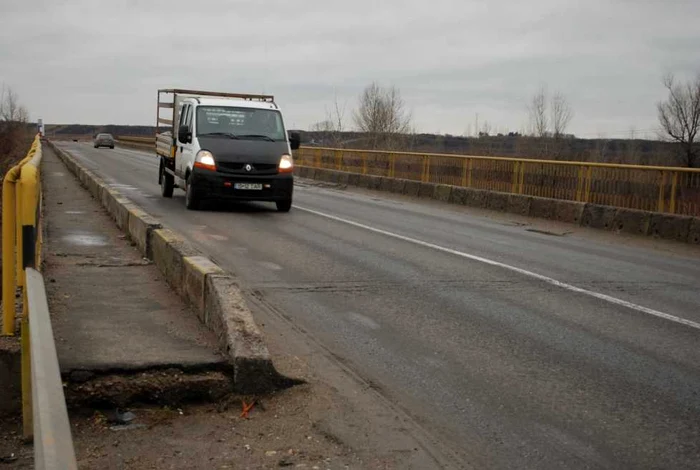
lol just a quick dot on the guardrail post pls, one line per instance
(9, 239)
(364, 163)
(339, 159)
(521, 181)
(516, 175)
(589, 175)
(392, 165)
(465, 166)
(426, 169)
(662, 192)
(674, 184)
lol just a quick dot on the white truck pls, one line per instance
(224, 146)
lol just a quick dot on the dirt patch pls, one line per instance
(277, 433)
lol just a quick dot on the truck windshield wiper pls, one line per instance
(227, 134)
(259, 136)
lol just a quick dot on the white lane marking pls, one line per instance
(548, 280)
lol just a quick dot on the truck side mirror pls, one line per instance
(184, 135)
(294, 140)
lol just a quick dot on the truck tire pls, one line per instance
(191, 200)
(167, 184)
(284, 206)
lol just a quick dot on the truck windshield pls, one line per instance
(241, 123)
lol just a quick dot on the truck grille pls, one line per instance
(240, 168)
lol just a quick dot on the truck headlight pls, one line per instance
(205, 160)
(286, 164)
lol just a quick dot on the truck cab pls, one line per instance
(225, 146)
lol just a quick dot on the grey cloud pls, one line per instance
(101, 62)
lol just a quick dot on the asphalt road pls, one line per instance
(514, 348)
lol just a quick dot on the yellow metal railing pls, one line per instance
(650, 188)
(21, 248)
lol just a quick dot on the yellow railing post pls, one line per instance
(392, 165)
(465, 166)
(9, 239)
(426, 169)
(469, 175)
(364, 163)
(589, 175)
(339, 159)
(521, 181)
(516, 175)
(674, 184)
(662, 192)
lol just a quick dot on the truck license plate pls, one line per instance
(248, 186)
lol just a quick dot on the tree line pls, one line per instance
(382, 120)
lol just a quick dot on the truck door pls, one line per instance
(183, 154)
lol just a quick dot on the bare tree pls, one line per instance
(10, 109)
(561, 114)
(13, 120)
(679, 117)
(333, 126)
(382, 114)
(537, 109)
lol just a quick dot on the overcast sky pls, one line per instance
(101, 62)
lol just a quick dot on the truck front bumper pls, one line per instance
(221, 186)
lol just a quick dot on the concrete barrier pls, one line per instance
(385, 183)
(694, 231)
(497, 201)
(397, 186)
(631, 221)
(343, 178)
(216, 297)
(519, 204)
(411, 188)
(669, 226)
(476, 198)
(442, 192)
(238, 335)
(196, 271)
(426, 190)
(570, 212)
(458, 195)
(169, 253)
(140, 227)
(600, 217)
(353, 179)
(541, 208)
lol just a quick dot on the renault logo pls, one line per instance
(249, 167)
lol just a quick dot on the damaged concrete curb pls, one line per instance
(215, 296)
(680, 228)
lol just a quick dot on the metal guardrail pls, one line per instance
(43, 404)
(650, 188)
(53, 442)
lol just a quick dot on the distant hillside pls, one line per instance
(59, 130)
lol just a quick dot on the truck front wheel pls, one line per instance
(191, 200)
(167, 183)
(284, 206)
